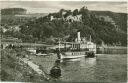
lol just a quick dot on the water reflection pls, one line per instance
(88, 62)
(104, 68)
(116, 50)
(80, 62)
(81, 69)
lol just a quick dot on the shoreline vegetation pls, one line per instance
(19, 65)
(15, 68)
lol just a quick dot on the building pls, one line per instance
(15, 28)
(53, 18)
(71, 18)
(10, 28)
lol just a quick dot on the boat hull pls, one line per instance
(32, 51)
(71, 56)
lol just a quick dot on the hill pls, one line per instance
(13, 11)
(119, 18)
(107, 27)
(19, 19)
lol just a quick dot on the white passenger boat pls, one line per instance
(80, 48)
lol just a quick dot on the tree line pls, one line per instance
(45, 30)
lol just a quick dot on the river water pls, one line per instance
(103, 68)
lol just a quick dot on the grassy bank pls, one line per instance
(12, 69)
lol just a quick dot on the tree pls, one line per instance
(100, 30)
(84, 10)
(75, 12)
(68, 13)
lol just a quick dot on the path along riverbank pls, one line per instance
(16, 67)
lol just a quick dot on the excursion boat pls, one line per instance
(80, 48)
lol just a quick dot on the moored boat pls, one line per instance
(80, 48)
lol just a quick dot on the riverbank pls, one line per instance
(15, 67)
(47, 62)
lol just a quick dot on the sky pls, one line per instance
(55, 6)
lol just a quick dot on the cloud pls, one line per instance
(54, 6)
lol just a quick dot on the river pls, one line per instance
(103, 68)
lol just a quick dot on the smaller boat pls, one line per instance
(44, 52)
(31, 50)
(41, 52)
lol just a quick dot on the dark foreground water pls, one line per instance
(104, 68)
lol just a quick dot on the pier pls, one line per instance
(112, 50)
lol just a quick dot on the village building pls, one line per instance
(64, 12)
(53, 18)
(69, 18)
(15, 28)
(3, 29)
(10, 28)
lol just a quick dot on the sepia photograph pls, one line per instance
(63, 41)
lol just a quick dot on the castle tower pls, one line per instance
(51, 18)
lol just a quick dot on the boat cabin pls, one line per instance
(80, 44)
